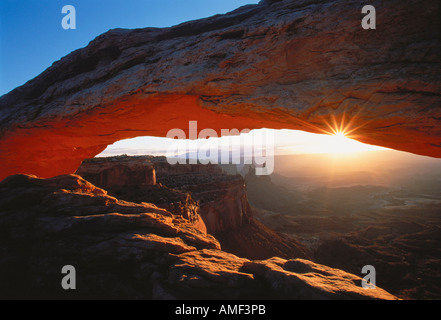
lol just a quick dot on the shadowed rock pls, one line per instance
(124, 250)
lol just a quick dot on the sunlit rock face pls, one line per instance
(291, 64)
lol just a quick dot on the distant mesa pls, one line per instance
(118, 172)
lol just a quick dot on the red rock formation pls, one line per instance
(134, 179)
(222, 198)
(136, 172)
(304, 65)
(124, 250)
(209, 199)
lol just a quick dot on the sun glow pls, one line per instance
(339, 143)
(337, 139)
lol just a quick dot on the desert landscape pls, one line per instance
(391, 221)
(140, 250)
(80, 221)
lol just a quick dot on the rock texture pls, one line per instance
(124, 250)
(294, 64)
(209, 199)
(222, 198)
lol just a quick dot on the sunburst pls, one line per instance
(343, 131)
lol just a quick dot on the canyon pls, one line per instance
(387, 215)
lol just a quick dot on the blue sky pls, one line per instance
(31, 36)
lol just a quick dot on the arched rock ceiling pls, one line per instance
(303, 64)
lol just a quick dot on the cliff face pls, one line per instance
(228, 207)
(290, 64)
(191, 189)
(133, 172)
(222, 198)
(125, 250)
(134, 179)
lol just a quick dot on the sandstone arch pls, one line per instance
(280, 64)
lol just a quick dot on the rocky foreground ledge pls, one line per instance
(124, 250)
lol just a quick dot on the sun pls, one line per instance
(339, 133)
(339, 143)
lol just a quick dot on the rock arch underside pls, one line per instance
(303, 65)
